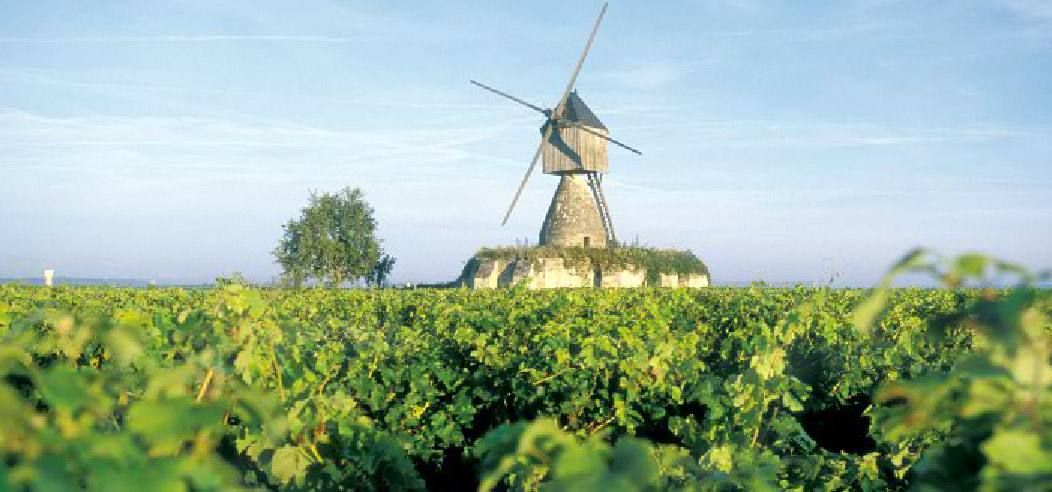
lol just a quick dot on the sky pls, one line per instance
(782, 141)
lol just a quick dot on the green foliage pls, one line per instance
(221, 396)
(743, 437)
(333, 241)
(981, 423)
(319, 389)
(530, 452)
(236, 278)
(653, 261)
(87, 404)
(988, 419)
(382, 271)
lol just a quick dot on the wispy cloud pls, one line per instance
(1031, 10)
(1035, 18)
(801, 34)
(759, 133)
(183, 38)
(618, 183)
(154, 149)
(653, 75)
(109, 85)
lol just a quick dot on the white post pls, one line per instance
(49, 275)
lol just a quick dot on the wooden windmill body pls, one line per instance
(575, 147)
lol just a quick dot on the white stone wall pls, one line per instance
(695, 280)
(550, 273)
(629, 277)
(689, 280)
(486, 275)
(668, 280)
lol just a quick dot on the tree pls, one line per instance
(333, 241)
(382, 270)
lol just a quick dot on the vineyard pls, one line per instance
(753, 388)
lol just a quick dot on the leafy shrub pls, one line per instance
(382, 389)
(982, 422)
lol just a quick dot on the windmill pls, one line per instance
(575, 147)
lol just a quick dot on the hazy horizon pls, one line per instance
(781, 142)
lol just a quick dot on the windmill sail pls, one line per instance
(575, 146)
(526, 178)
(557, 113)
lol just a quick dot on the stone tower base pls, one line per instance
(573, 216)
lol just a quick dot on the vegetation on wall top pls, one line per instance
(654, 261)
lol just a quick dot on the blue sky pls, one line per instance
(782, 141)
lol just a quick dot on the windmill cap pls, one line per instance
(576, 110)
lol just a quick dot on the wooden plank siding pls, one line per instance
(593, 152)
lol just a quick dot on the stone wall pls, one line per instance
(687, 280)
(548, 273)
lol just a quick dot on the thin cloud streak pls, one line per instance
(755, 133)
(34, 76)
(977, 191)
(152, 149)
(185, 38)
(1032, 10)
(652, 76)
(800, 34)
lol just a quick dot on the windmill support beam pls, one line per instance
(595, 183)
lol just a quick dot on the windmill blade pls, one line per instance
(533, 163)
(600, 135)
(509, 96)
(580, 62)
